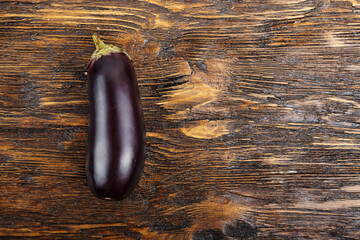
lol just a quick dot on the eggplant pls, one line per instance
(116, 130)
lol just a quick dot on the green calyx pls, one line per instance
(103, 49)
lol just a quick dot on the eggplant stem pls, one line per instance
(103, 49)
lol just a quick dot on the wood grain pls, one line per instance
(251, 109)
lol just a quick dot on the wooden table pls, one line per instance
(252, 116)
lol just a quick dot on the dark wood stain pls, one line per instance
(251, 109)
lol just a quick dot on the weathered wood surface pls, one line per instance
(252, 115)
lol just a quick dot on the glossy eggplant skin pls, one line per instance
(116, 131)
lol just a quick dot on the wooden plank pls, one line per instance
(251, 109)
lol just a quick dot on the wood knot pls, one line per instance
(211, 125)
(207, 129)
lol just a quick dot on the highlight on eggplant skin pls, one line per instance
(116, 131)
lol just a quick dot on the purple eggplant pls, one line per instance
(116, 130)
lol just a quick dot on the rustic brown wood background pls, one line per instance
(252, 113)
